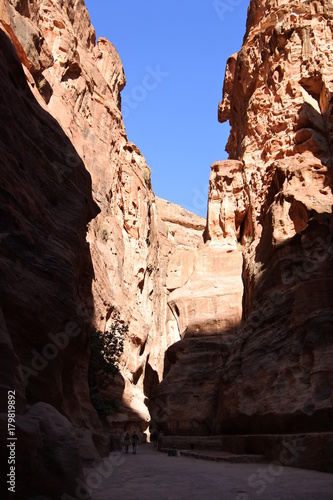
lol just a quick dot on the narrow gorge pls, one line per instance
(226, 323)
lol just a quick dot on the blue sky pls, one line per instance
(174, 54)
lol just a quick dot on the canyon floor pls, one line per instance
(151, 475)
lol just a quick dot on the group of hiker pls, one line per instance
(133, 440)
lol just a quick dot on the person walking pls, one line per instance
(154, 438)
(127, 441)
(135, 441)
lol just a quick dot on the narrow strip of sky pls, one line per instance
(174, 54)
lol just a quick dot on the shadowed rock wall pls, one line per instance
(78, 80)
(46, 273)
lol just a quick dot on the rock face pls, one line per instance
(267, 367)
(46, 274)
(278, 98)
(228, 201)
(205, 291)
(229, 319)
(78, 81)
(148, 258)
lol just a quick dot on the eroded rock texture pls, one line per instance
(230, 320)
(60, 282)
(261, 282)
(278, 98)
(78, 80)
(46, 273)
(205, 296)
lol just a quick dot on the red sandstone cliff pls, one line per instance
(205, 296)
(46, 273)
(63, 281)
(229, 324)
(78, 80)
(278, 98)
(268, 366)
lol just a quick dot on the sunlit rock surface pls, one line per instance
(278, 98)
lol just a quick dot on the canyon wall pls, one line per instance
(46, 273)
(78, 80)
(260, 360)
(118, 270)
(277, 96)
(205, 295)
(60, 119)
(230, 318)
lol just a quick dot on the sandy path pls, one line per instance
(151, 475)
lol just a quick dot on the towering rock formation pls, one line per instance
(277, 96)
(230, 319)
(268, 366)
(62, 283)
(205, 295)
(78, 81)
(124, 266)
(46, 273)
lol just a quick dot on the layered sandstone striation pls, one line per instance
(278, 98)
(67, 279)
(78, 80)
